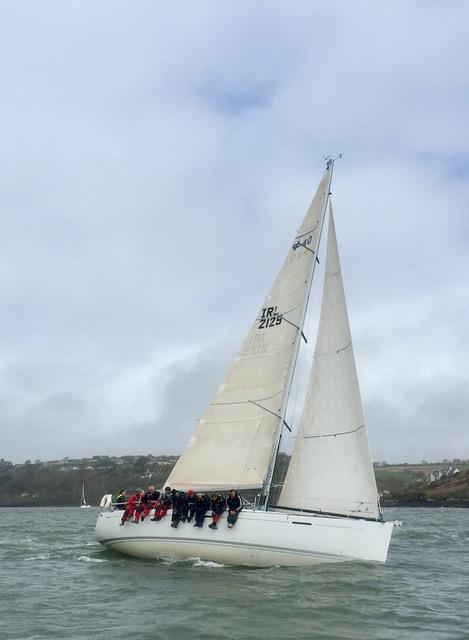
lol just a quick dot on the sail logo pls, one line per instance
(270, 318)
(304, 243)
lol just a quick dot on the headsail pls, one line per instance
(331, 468)
(233, 442)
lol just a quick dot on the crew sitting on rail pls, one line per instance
(179, 504)
(234, 504)
(190, 507)
(148, 502)
(202, 505)
(218, 505)
(163, 505)
(132, 504)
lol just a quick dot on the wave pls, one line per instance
(197, 562)
(193, 562)
(41, 556)
(90, 559)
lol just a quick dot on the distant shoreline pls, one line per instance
(58, 483)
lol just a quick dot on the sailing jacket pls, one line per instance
(133, 501)
(121, 500)
(218, 505)
(202, 505)
(234, 503)
(149, 497)
(166, 499)
(179, 502)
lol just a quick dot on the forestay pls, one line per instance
(331, 468)
(233, 441)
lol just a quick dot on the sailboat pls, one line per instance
(328, 509)
(83, 503)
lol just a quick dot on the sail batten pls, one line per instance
(233, 442)
(331, 469)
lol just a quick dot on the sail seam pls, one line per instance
(246, 401)
(333, 435)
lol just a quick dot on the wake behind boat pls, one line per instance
(328, 509)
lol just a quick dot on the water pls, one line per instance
(57, 582)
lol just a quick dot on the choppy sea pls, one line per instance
(56, 581)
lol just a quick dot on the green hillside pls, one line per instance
(58, 482)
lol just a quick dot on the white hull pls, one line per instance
(259, 539)
(85, 506)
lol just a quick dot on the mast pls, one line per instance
(291, 371)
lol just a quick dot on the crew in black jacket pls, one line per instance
(234, 505)
(218, 505)
(202, 505)
(190, 505)
(179, 505)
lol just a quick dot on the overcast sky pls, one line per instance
(156, 160)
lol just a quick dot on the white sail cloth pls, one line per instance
(331, 468)
(233, 442)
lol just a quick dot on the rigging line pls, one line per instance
(344, 348)
(268, 410)
(290, 322)
(273, 413)
(333, 435)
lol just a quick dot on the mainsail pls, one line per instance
(331, 468)
(234, 440)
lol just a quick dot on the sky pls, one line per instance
(156, 160)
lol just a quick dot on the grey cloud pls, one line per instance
(155, 165)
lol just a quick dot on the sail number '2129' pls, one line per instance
(270, 318)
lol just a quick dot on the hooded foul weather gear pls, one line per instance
(202, 505)
(234, 505)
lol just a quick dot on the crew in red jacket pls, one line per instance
(163, 505)
(132, 504)
(148, 502)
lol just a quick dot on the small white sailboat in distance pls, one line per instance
(83, 503)
(328, 509)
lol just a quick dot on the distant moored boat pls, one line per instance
(83, 503)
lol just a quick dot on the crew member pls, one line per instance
(190, 508)
(234, 505)
(132, 504)
(179, 505)
(202, 505)
(218, 505)
(147, 502)
(121, 499)
(163, 505)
